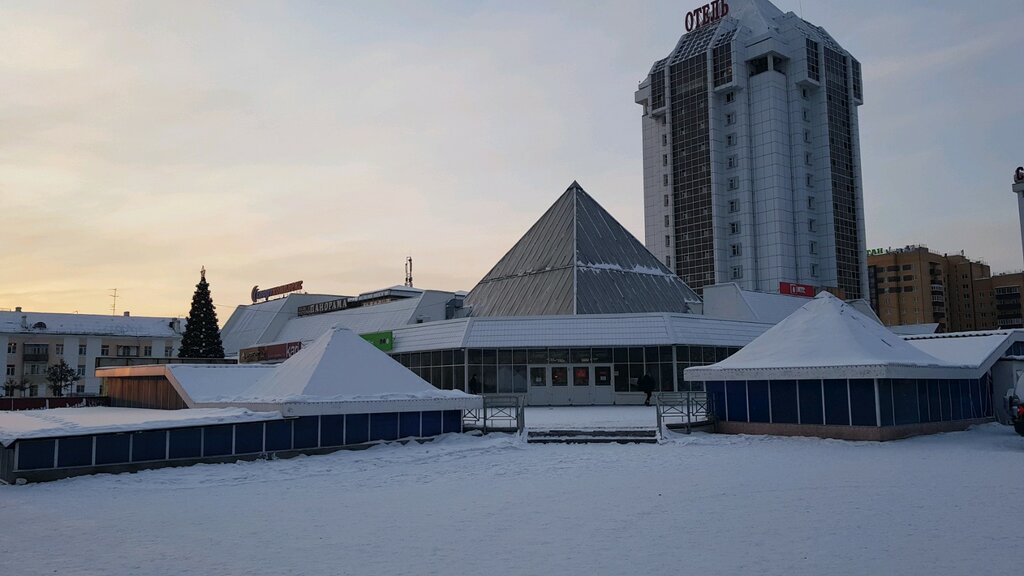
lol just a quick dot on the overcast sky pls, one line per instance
(325, 141)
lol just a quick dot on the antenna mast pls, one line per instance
(113, 307)
(408, 271)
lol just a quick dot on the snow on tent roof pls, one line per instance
(973, 349)
(337, 367)
(57, 422)
(98, 324)
(827, 338)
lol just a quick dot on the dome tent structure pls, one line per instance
(829, 370)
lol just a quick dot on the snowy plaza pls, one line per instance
(697, 504)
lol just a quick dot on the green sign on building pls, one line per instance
(384, 341)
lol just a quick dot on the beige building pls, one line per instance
(34, 341)
(1004, 301)
(914, 285)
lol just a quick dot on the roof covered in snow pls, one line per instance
(44, 323)
(827, 338)
(577, 259)
(338, 373)
(976, 349)
(57, 422)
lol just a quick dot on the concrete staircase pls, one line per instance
(628, 436)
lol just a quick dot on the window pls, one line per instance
(664, 159)
(730, 97)
(908, 267)
(734, 227)
(734, 205)
(808, 159)
(732, 161)
(805, 93)
(105, 350)
(892, 268)
(810, 202)
(814, 247)
(10, 369)
(81, 349)
(736, 272)
(666, 199)
(127, 350)
(147, 351)
(730, 140)
(908, 277)
(810, 181)
(807, 136)
(807, 115)
(58, 349)
(33, 369)
(735, 250)
(664, 139)
(666, 221)
(12, 347)
(668, 241)
(811, 225)
(81, 369)
(664, 180)
(668, 261)
(79, 388)
(734, 183)
(168, 351)
(730, 118)
(908, 288)
(814, 270)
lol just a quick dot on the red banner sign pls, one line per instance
(796, 289)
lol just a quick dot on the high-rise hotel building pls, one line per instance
(752, 154)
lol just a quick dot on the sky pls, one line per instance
(326, 141)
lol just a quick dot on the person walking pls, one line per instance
(646, 385)
(474, 385)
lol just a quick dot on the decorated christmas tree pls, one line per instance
(202, 336)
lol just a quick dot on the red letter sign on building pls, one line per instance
(796, 289)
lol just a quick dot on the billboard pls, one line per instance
(323, 307)
(268, 353)
(384, 341)
(275, 291)
(794, 289)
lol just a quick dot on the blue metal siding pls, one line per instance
(810, 402)
(217, 440)
(717, 391)
(36, 454)
(75, 451)
(944, 401)
(934, 404)
(736, 401)
(885, 401)
(332, 430)
(862, 402)
(305, 432)
(904, 407)
(149, 445)
(976, 404)
(431, 423)
(278, 435)
(784, 409)
(956, 405)
(452, 421)
(757, 394)
(384, 426)
(249, 438)
(837, 403)
(409, 425)
(922, 400)
(357, 428)
(112, 448)
(186, 443)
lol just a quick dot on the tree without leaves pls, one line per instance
(61, 377)
(202, 335)
(13, 385)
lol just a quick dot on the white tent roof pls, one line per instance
(827, 338)
(339, 369)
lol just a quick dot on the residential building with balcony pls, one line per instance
(33, 341)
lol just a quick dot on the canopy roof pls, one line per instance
(827, 338)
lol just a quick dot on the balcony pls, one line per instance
(35, 357)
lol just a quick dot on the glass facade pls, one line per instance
(844, 185)
(509, 371)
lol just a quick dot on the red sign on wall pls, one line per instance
(792, 289)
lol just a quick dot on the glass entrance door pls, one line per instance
(603, 393)
(539, 393)
(581, 393)
(559, 379)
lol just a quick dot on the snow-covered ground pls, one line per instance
(699, 504)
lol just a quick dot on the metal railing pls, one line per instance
(503, 413)
(690, 408)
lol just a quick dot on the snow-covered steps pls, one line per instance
(593, 436)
